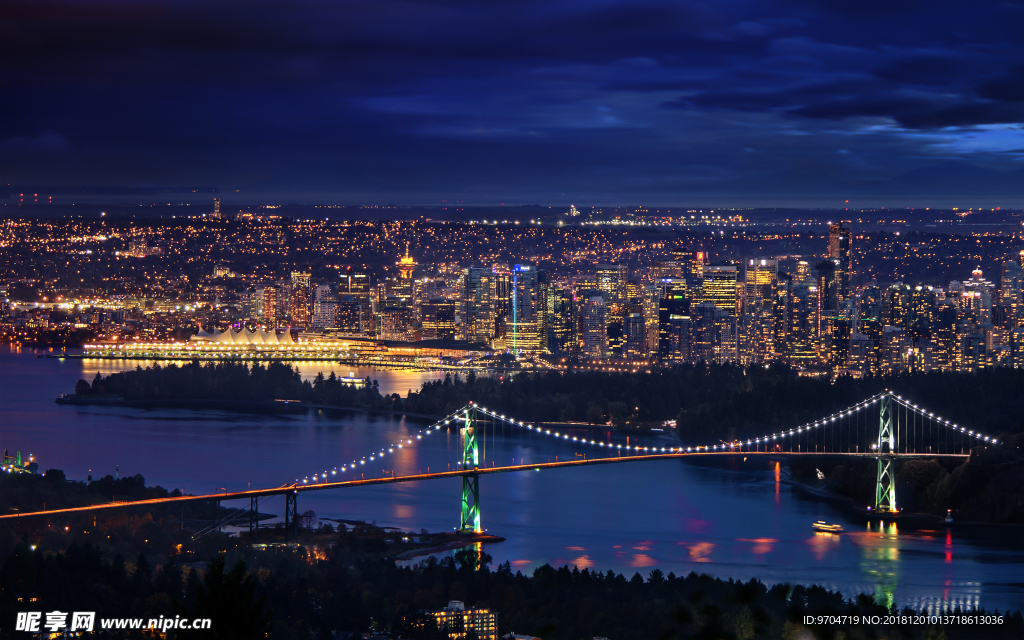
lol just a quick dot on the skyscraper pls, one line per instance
(719, 287)
(325, 306)
(477, 305)
(438, 319)
(691, 263)
(840, 250)
(525, 319)
(611, 282)
(593, 327)
(674, 302)
(560, 320)
(356, 285)
(1011, 292)
(636, 337)
(300, 300)
(270, 305)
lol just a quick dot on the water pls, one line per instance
(733, 521)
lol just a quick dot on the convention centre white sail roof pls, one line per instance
(244, 337)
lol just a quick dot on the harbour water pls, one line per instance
(736, 520)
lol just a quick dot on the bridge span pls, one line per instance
(294, 488)
(903, 430)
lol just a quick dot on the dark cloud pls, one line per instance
(393, 100)
(922, 69)
(1008, 87)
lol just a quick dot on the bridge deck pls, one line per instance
(242, 495)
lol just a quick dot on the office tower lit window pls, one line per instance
(840, 251)
(593, 327)
(719, 288)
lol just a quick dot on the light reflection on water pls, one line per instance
(738, 522)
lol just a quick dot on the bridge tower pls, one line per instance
(470, 483)
(291, 515)
(885, 487)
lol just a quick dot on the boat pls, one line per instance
(821, 525)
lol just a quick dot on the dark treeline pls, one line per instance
(720, 402)
(233, 381)
(52, 490)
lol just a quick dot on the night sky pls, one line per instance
(800, 103)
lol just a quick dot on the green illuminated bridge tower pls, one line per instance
(885, 487)
(470, 483)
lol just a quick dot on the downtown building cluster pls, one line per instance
(679, 309)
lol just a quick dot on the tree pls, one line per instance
(82, 388)
(228, 599)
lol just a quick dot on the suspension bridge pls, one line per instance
(903, 430)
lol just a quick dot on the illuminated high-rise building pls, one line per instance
(561, 320)
(525, 320)
(477, 304)
(691, 263)
(840, 251)
(356, 285)
(270, 298)
(300, 301)
(636, 337)
(828, 288)
(720, 287)
(673, 302)
(348, 315)
(395, 320)
(611, 282)
(439, 319)
(1011, 292)
(593, 327)
(758, 330)
(325, 307)
(803, 272)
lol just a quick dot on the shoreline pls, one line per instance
(242, 405)
(850, 505)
